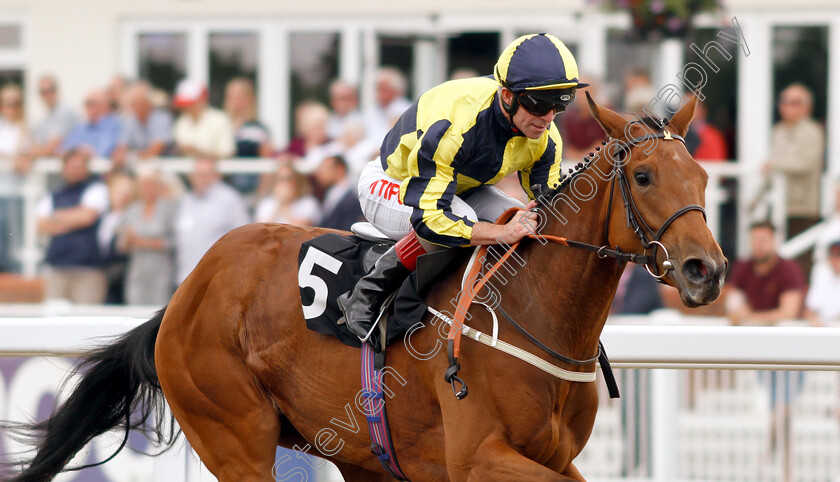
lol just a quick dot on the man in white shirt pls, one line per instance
(391, 102)
(206, 213)
(201, 131)
(71, 216)
(822, 305)
(59, 120)
(344, 102)
(830, 230)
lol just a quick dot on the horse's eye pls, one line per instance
(642, 178)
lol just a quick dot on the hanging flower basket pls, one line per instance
(654, 20)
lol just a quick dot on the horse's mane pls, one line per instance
(651, 121)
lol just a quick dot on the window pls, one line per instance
(399, 52)
(163, 59)
(623, 59)
(720, 91)
(10, 36)
(474, 51)
(314, 64)
(800, 54)
(231, 55)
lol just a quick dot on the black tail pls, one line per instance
(119, 389)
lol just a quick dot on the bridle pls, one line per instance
(634, 218)
(635, 221)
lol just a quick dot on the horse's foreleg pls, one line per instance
(494, 460)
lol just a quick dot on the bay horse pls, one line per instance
(242, 374)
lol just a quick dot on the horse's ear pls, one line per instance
(612, 123)
(683, 117)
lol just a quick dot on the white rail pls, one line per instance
(772, 202)
(632, 342)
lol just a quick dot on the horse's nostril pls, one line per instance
(696, 270)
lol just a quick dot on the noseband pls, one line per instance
(633, 216)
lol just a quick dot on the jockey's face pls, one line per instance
(532, 126)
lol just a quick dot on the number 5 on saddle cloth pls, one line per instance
(331, 264)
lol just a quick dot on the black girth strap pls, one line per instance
(601, 357)
(545, 348)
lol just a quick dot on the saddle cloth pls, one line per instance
(331, 264)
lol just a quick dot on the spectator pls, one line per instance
(147, 236)
(290, 201)
(822, 305)
(344, 101)
(311, 119)
(638, 90)
(101, 130)
(763, 291)
(391, 102)
(311, 144)
(830, 231)
(146, 131)
(201, 131)
(580, 131)
(121, 193)
(637, 292)
(356, 149)
(115, 93)
(60, 120)
(797, 144)
(340, 207)
(14, 134)
(712, 146)
(13, 145)
(252, 136)
(208, 211)
(71, 215)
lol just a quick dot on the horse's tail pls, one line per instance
(119, 389)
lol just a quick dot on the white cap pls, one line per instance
(189, 92)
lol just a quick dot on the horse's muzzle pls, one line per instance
(700, 280)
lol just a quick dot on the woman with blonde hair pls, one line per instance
(14, 164)
(147, 235)
(290, 201)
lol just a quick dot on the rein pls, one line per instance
(633, 219)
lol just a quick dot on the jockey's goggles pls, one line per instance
(540, 104)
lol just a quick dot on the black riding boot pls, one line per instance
(361, 305)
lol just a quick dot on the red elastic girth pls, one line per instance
(408, 249)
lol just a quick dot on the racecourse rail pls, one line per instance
(754, 198)
(664, 341)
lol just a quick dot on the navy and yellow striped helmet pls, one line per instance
(536, 63)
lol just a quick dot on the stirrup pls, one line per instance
(385, 305)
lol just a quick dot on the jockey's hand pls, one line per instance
(521, 224)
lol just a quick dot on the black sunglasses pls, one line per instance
(542, 106)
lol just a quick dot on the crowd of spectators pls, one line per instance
(134, 232)
(151, 224)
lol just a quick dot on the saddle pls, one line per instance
(331, 264)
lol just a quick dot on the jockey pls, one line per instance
(431, 187)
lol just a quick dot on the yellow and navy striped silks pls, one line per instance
(537, 62)
(455, 138)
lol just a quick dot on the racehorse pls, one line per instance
(242, 374)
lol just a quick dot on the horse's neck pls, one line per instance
(569, 290)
